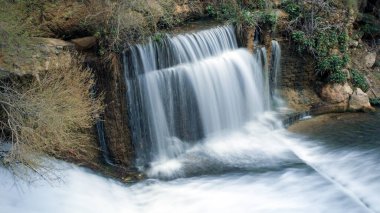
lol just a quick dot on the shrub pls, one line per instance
(374, 101)
(359, 80)
(370, 25)
(292, 8)
(232, 12)
(52, 114)
(312, 31)
(257, 4)
(269, 18)
(338, 77)
(331, 64)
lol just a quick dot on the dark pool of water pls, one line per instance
(351, 130)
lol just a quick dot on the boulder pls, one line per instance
(84, 43)
(336, 93)
(359, 101)
(353, 43)
(347, 73)
(370, 59)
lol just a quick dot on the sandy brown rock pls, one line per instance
(359, 101)
(39, 55)
(370, 59)
(336, 93)
(85, 42)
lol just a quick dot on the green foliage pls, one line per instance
(211, 10)
(232, 12)
(333, 65)
(292, 8)
(359, 80)
(320, 42)
(343, 39)
(303, 42)
(158, 37)
(269, 18)
(257, 4)
(338, 77)
(249, 18)
(226, 10)
(260, 4)
(325, 41)
(374, 101)
(312, 32)
(370, 25)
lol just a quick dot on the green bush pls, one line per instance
(292, 8)
(269, 18)
(226, 10)
(359, 80)
(312, 31)
(256, 4)
(338, 77)
(374, 101)
(232, 12)
(370, 25)
(158, 37)
(331, 64)
(302, 41)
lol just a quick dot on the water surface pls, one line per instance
(333, 167)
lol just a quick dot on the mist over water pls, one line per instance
(209, 140)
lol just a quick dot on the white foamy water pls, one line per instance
(255, 170)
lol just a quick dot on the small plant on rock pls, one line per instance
(359, 80)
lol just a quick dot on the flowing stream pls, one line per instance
(207, 134)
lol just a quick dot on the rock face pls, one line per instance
(39, 55)
(359, 101)
(297, 78)
(85, 42)
(336, 93)
(370, 59)
(110, 81)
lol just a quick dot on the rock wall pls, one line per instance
(298, 80)
(110, 81)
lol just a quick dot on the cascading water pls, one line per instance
(102, 142)
(206, 86)
(275, 78)
(201, 109)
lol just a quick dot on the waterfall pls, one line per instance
(184, 88)
(275, 76)
(261, 58)
(202, 110)
(102, 142)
